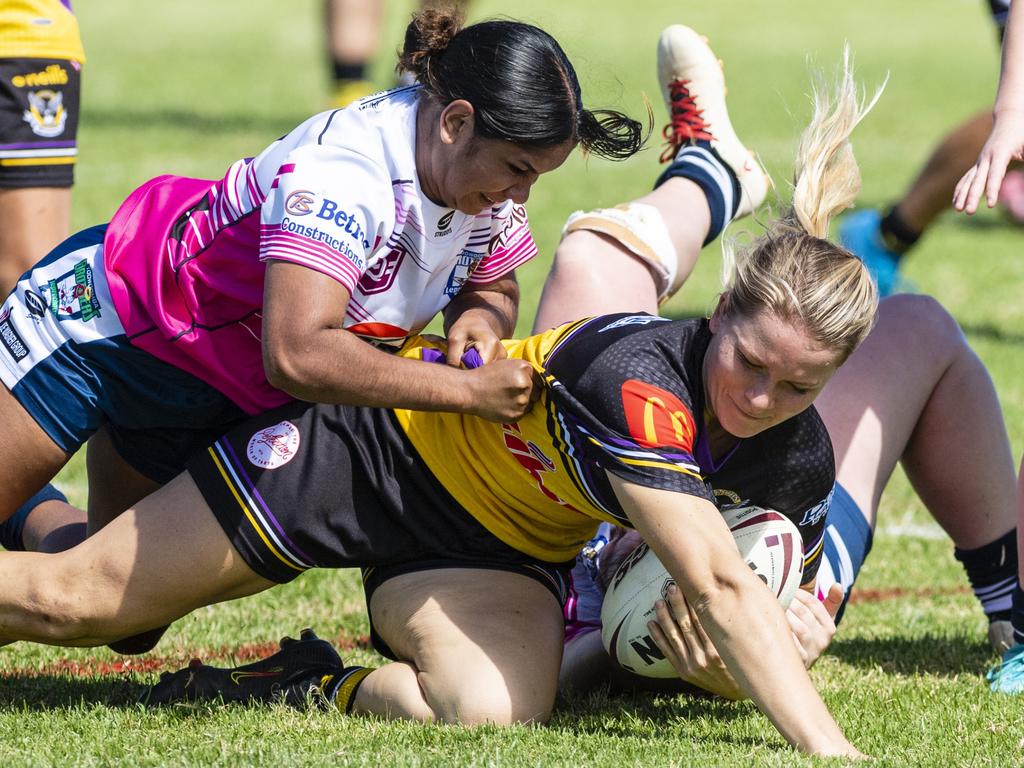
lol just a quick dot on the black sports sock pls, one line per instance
(897, 234)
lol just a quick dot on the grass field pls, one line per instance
(192, 85)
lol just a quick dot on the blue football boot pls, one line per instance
(1008, 675)
(859, 234)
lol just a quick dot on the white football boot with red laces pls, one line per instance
(694, 90)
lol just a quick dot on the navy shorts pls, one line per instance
(39, 105)
(65, 357)
(848, 540)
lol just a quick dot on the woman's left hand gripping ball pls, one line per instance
(679, 635)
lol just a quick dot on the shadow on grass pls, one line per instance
(142, 120)
(606, 713)
(929, 654)
(46, 692)
(992, 332)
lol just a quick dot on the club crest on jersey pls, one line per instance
(464, 268)
(819, 510)
(274, 446)
(73, 294)
(633, 320)
(300, 203)
(444, 224)
(380, 275)
(46, 115)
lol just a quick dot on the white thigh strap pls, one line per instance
(641, 231)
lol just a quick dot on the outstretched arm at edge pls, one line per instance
(743, 620)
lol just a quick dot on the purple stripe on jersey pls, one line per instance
(251, 488)
(286, 168)
(810, 547)
(67, 4)
(40, 145)
(707, 462)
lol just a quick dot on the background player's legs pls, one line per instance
(353, 37)
(154, 563)
(883, 237)
(932, 190)
(932, 406)
(481, 646)
(33, 221)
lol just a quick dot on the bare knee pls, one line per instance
(61, 607)
(495, 705)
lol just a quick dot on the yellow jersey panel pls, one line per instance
(39, 29)
(510, 477)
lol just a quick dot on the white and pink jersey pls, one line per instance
(185, 258)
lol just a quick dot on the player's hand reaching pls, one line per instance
(813, 622)
(1005, 143)
(679, 635)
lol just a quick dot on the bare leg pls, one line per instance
(594, 274)
(930, 404)
(32, 221)
(32, 458)
(53, 526)
(353, 29)
(114, 485)
(481, 646)
(585, 663)
(154, 563)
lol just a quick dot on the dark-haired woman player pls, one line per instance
(203, 301)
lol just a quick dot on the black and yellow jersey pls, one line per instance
(39, 29)
(622, 394)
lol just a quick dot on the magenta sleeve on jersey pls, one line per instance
(280, 245)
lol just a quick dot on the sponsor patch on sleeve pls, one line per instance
(657, 418)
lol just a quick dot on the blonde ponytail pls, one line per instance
(793, 270)
(826, 180)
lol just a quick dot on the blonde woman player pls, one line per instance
(888, 403)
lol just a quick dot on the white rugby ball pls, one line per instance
(770, 544)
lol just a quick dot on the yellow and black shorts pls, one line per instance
(39, 107)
